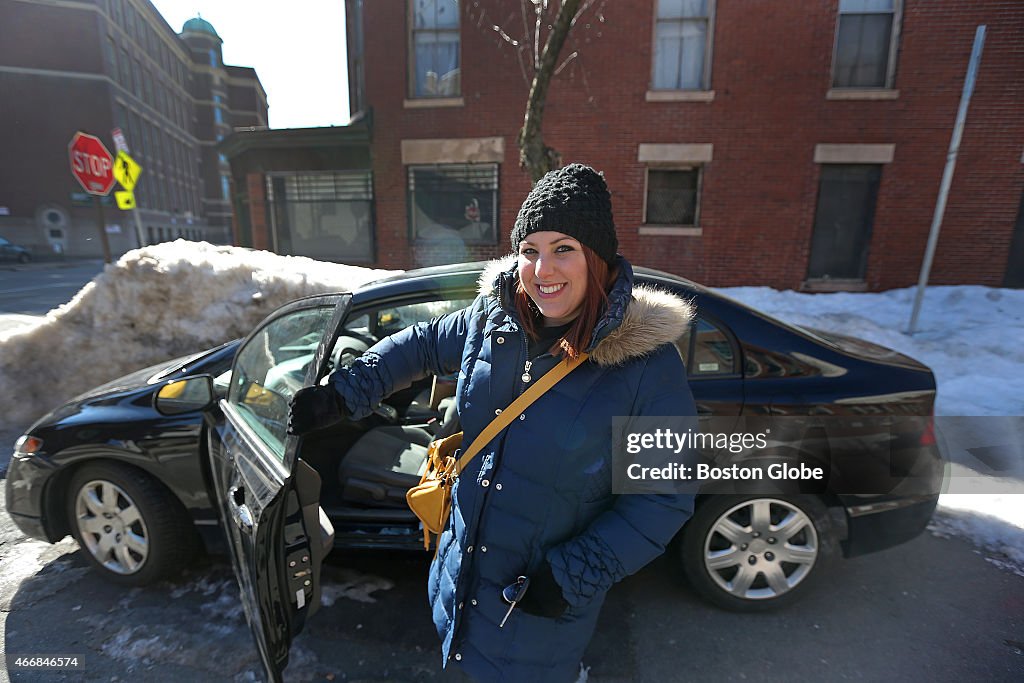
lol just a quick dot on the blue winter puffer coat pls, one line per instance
(541, 491)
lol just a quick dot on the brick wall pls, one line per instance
(770, 72)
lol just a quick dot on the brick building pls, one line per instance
(790, 144)
(94, 65)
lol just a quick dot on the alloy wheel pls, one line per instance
(111, 526)
(761, 549)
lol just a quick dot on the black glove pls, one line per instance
(544, 596)
(314, 408)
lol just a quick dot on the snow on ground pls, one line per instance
(972, 338)
(153, 304)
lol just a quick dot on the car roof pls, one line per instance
(474, 268)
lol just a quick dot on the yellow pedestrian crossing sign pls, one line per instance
(126, 171)
(125, 200)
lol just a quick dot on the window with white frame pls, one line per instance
(865, 43)
(435, 48)
(673, 196)
(681, 44)
(454, 202)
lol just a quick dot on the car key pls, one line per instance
(512, 594)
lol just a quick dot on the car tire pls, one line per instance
(24, 258)
(745, 565)
(130, 528)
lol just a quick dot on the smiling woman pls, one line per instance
(534, 515)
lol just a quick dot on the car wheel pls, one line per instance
(129, 526)
(24, 258)
(755, 553)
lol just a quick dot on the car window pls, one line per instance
(271, 367)
(3, 241)
(707, 350)
(396, 318)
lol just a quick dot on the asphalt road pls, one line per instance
(35, 288)
(932, 609)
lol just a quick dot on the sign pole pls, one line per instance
(138, 227)
(103, 229)
(947, 174)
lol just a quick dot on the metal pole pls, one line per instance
(103, 229)
(138, 227)
(947, 174)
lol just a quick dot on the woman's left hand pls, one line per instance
(544, 596)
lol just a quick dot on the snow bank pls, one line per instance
(154, 304)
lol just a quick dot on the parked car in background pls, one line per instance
(134, 469)
(13, 252)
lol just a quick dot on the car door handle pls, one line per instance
(239, 510)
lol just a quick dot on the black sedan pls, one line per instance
(126, 468)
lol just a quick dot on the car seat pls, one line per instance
(386, 461)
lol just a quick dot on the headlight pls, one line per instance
(28, 445)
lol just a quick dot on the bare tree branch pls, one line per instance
(534, 155)
(568, 59)
(536, 35)
(507, 38)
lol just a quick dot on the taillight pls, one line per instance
(28, 445)
(928, 435)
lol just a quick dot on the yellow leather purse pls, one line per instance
(431, 499)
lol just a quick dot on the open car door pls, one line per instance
(269, 499)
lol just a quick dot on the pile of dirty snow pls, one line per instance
(154, 304)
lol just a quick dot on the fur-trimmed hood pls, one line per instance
(639, 319)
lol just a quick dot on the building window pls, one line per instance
(126, 70)
(454, 202)
(672, 197)
(137, 78)
(213, 57)
(435, 48)
(681, 45)
(322, 215)
(843, 221)
(129, 19)
(121, 118)
(865, 44)
(110, 57)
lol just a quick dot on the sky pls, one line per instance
(297, 49)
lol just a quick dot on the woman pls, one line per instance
(537, 500)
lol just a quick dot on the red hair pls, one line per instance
(595, 299)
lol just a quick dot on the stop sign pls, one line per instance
(91, 163)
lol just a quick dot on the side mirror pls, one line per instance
(184, 395)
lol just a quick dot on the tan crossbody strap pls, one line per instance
(518, 406)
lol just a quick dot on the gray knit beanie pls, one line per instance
(573, 200)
